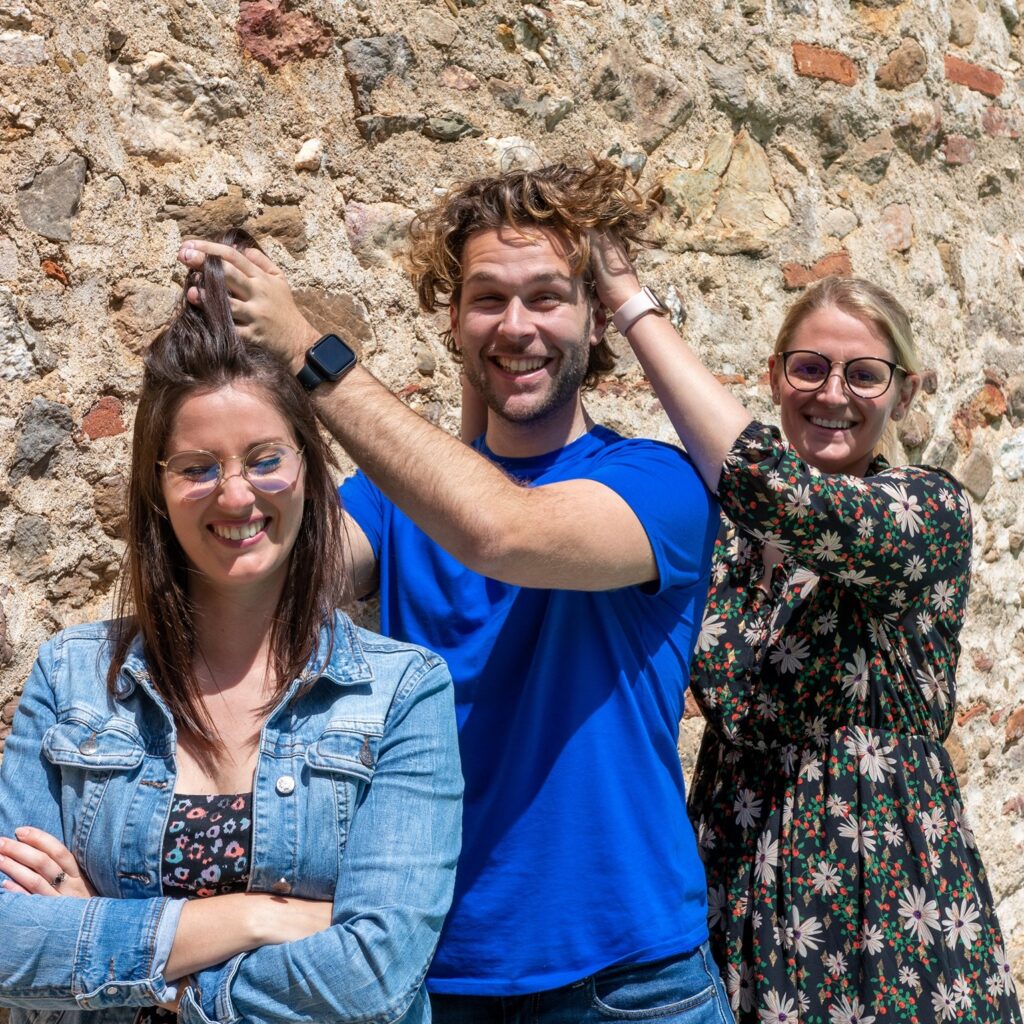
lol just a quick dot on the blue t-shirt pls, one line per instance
(577, 852)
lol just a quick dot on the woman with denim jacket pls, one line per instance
(230, 736)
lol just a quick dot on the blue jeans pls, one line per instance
(684, 989)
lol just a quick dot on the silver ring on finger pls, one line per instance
(58, 878)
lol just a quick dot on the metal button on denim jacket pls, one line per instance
(356, 798)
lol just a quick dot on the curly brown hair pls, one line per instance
(570, 201)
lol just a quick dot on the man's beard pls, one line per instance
(564, 388)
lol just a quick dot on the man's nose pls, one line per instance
(515, 320)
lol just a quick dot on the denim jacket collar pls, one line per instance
(346, 664)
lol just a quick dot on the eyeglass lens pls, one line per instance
(864, 376)
(268, 467)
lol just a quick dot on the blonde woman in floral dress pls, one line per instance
(844, 882)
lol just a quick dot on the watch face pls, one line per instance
(331, 356)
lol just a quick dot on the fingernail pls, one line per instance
(187, 252)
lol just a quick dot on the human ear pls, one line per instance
(598, 322)
(908, 389)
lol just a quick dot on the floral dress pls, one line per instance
(844, 884)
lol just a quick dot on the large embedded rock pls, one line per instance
(377, 232)
(45, 426)
(211, 218)
(648, 98)
(963, 22)
(449, 127)
(110, 502)
(167, 110)
(22, 351)
(371, 61)
(49, 203)
(917, 128)
(729, 205)
(285, 224)
(31, 547)
(14, 15)
(976, 473)
(21, 49)
(141, 310)
(336, 312)
(274, 34)
(904, 66)
(538, 104)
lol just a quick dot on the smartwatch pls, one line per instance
(328, 360)
(645, 301)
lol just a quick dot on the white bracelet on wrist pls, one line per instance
(645, 301)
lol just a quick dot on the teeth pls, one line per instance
(519, 365)
(241, 532)
(832, 424)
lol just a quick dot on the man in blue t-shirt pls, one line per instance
(561, 570)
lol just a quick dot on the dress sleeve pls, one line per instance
(61, 952)
(896, 535)
(394, 889)
(725, 672)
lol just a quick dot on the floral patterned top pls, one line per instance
(844, 885)
(206, 852)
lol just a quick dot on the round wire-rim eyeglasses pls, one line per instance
(873, 382)
(270, 467)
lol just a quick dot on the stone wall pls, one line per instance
(794, 139)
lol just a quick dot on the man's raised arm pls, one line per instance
(576, 534)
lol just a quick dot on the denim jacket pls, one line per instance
(356, 798)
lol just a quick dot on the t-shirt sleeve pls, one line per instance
(361, 499)
(678, 513)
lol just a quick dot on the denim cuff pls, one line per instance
(122, 951)
(208, 999)
(165, 932)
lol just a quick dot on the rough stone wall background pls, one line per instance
(794, 139)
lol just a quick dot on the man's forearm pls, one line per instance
(459, 499)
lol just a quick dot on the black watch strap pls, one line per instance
(309, 378)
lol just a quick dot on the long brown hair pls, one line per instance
(200, 352)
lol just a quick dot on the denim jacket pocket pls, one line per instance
(349, 749)
(108, 746)
(98, 761)
(341, 764)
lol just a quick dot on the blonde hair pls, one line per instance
(872, 304)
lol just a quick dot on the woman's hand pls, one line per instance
(36, 862)
(614, 276)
